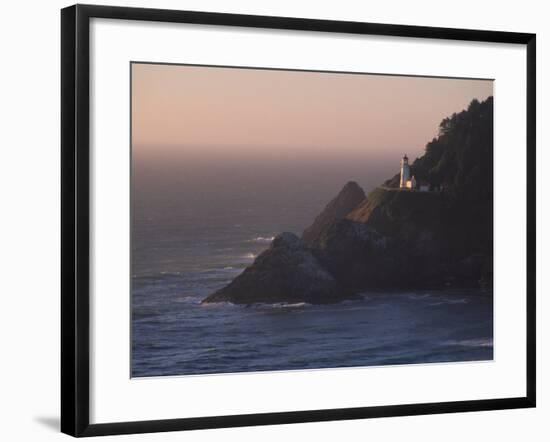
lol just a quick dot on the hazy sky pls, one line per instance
(197, 113)
(206, 138)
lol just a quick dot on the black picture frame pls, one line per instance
(75, 211)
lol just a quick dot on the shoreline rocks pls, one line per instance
(286, 272)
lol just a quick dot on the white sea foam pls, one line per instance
(295, 305)
(262, 239)
(231, 269)
(281, 305)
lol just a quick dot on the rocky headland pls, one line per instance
(391, 239)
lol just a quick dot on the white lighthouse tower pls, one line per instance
(405, 173)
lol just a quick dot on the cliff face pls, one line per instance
(344, 203)
(392, 238)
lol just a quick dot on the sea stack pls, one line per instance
(287, 272)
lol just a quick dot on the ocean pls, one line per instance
(185, 248)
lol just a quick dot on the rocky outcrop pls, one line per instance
(286, 272)
(390, 240)
(347, 200)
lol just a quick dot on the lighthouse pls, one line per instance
(405, 173)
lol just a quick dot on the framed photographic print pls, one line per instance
(274, 220)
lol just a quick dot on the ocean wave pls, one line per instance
(293, 305)
(262, 239)
(188, 299)
(478, 342)
(450, 302)
(229, 269)
(359, 300)
(280, 305)
(219, 304)
(416, 296)
(249, 255)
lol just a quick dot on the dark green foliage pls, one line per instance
(461, 157)
(460, 160)
(401, 214)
